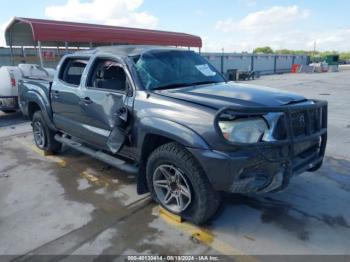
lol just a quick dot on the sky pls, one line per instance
(232, 25)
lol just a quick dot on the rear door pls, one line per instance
(65, 96)
(104, 103)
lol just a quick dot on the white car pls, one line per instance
(9, 77)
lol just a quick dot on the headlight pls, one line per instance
(243, 130)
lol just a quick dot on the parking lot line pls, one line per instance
(56, 159)
(203, 236)
(94, 179)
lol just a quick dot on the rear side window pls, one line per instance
(72, 70)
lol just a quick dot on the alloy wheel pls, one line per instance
(39, 134)
(172, 188)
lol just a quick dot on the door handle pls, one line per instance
(86, 100)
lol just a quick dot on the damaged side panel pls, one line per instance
(106, 118)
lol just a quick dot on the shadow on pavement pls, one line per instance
(11, 119)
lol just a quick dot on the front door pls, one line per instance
(104, 104)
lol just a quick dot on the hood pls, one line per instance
(232, 94)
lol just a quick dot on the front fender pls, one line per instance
(172, 130)
(168, 129)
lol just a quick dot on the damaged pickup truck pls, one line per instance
(168, 116)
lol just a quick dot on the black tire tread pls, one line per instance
(52, 146)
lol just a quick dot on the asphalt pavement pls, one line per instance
(73, 204)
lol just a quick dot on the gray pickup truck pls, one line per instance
(168, 116)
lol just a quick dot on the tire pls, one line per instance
(173, 159)
(8, 111)
(43, 135)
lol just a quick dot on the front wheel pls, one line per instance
(178, 183)
(43, 135)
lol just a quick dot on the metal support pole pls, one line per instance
(23, 55)
(308, 60)
(11, 49)
(275, 65)
(199, 50)
(40, 54)
(12, 58)
(66, 46)
(252, 63)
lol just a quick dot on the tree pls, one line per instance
(264, 50)
(345, 56)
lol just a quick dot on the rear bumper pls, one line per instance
(8, 103)
(268, 166)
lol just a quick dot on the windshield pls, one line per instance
(170, 69)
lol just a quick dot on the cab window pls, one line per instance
(72, 70)
(108, 75)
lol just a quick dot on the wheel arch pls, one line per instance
(157, 132)
(35, 103)
(32, 108)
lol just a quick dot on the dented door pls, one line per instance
(105, 118)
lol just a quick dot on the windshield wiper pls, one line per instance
(173, 86)
(204, 82)
(184, 84)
